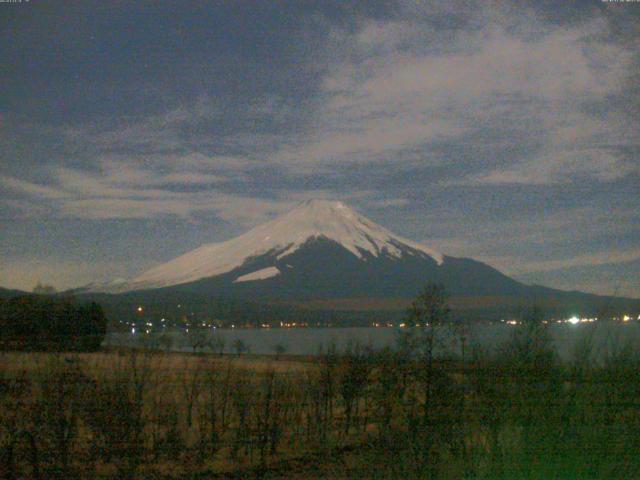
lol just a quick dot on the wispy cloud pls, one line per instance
(597, 258)
(467, 127)
(32, 189)
(392, 96)
(394, 90)
(560, 167)
(83, 195)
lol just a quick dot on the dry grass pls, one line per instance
(363, 414)
(181, 383)
(31, 361)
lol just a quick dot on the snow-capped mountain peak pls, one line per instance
(336, 221)
(280, 237)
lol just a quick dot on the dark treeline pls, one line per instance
(35, 322)
(181, 309)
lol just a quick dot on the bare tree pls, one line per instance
(191, 381)
(240, 347)
(428, 313)
(166, 342)
(218, 342)
(197, 338)
(279, 349)
(355, 370)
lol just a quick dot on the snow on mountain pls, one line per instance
(281, 237)
(258, 275)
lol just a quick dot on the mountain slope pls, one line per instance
(10, 293)
(324, 251)
(321, 268)
(279, 239)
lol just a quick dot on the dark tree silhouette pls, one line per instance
(428, 313)
(34, 322)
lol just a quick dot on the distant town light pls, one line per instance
(626, 318)
(574, 320)
(140, 309)
(133, 330)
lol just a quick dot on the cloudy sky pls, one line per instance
(131, 132)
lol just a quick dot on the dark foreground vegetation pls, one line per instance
(38, 322)
(514, 412)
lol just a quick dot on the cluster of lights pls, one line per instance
(391, 325)
(509, 322)
(133, 330)
(574, 320)
(288, 324)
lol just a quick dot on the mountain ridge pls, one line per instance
(324, 253)
(280, 237)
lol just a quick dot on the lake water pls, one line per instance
(607, 336)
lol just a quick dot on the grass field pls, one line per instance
(360, 414)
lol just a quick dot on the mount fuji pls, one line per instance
(302, 237)
(325, 252)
